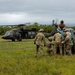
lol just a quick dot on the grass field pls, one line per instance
(18, 58)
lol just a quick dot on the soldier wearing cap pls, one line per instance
(40, 41)
(50, 45)
(67, 44)
(58, 42)
(61, 26)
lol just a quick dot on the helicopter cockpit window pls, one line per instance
(9, 33)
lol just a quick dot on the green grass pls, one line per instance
(18, 58)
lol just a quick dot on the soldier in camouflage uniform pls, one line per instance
(61, 26)
(74, 41)
(68, 33)
(58, 42)
(50, 46)
(67, 44)
(74, 37)
(40, 41)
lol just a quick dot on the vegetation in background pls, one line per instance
(47, 28)
(3, 29)
(73, 27)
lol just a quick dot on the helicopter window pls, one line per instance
(29, 33)
(33, 32)
(8, 33)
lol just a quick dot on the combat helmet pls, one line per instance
(41, 30)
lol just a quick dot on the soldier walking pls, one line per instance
(40, 41)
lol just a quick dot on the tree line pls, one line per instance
(47, 28)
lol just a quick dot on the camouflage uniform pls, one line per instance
(74, 37)
(39, 40)
(74, 41)
(50, 45)
(68, 33)
(58, 42)
(67, 44)
(61, 26)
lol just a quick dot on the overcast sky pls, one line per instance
(41, 11)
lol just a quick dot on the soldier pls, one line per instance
(50, 45)
(61, 26)
(74, 41)
(67, 44)
(68, 33)
(40, 37)
(58, 42)
(74, 35)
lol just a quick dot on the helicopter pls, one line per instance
(20, 34)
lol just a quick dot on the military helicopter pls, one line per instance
(20, 34)
(12, 34)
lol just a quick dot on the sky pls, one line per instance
(41, 11)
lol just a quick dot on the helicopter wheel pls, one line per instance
(13, 39)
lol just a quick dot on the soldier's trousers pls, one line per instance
(67, 49)
(49, 48)
(58, 45)
(39, 48)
